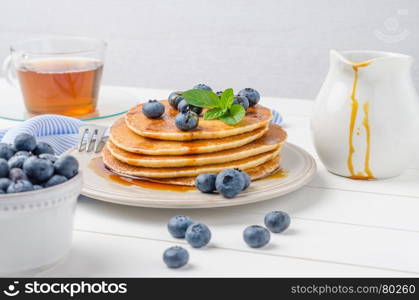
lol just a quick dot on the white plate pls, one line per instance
(300, 167)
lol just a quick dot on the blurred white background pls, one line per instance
(279, 47)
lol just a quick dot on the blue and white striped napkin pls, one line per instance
(59, 131)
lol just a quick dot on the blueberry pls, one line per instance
(17, 161)
(54, 180)
(246, 177)
(187, 121)
(23, 153)
(4, 183)
(67, 166)
(175, 257)
(256, 236)
(184, 107)
(20, 186)
(198, 235)
(42, 147)
(153, 109)
(37, 169)
(240, 100)
(4, 168)
(251, 94)
(37, 187)
(175, 98)
(7, 151)
(47, 156)
(25, 142)
(177, 226)
(16, 174)
(202, 86)
(206, 182)
(229, 183)
(277, 221)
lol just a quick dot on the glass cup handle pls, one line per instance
(9, 71)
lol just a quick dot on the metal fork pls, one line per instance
(91, 135)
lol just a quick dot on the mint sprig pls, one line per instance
(221, 108)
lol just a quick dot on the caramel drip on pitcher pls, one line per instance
(365, 123)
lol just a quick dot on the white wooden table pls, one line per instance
(340, 227)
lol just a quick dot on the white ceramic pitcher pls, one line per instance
(365, 123)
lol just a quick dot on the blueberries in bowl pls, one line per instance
(202, 86)
(240, 100)
(175, 98)
(20, 186)
(16, 174)
(198, 235)
(256, 236)
(153, 109)
(206, 182)
(67, 166)
(7, 151)
(187, 121)
(177, 226)
(175, 257)
(54, 180)
(184, 106)
(37, 169)
(277, 221)
(4, 168)
(52, 158)
(4, 184)
(252, 95)
(17, 161)
(42, 147)
(23, 153)
(25, 142)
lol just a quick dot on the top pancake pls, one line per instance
(164, 128)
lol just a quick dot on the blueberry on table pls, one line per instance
(4, 168)
(25, 142)
(4, 183)
(256, 236)
(16, 174)
(246, 177)
(37, 169)
(174, 99)
(153, 109)
(20, 186)
(240, 100)
(52, 158)
(7, 151)
(177, 226)
(202, 86)
(183, 107)
(277, 221)
(187, 121)
(198, 235)
(229, 183)
(67, 166)
(251, 94)
(54, 180)
(175, 257)
(17, 161)
(206, 182)
(42, 147)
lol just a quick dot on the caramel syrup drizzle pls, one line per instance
(365, 123)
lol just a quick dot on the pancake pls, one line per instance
(272, 140)
(123, 168)
(164, 128)
(264, 170)
(124, 138)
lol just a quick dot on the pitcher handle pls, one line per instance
(9, 71)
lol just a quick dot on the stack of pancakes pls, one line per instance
(156, 150)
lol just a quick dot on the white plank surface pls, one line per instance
(339, 227)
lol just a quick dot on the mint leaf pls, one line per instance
(227, 98)
(201, 98)
(214, 113)
(234, 115)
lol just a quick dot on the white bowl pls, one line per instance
(36, 227)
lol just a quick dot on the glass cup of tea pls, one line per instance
(59, 75)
